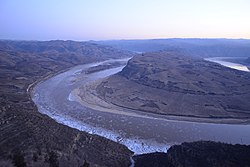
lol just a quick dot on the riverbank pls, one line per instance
(87, 96)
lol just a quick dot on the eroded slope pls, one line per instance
(173, 84)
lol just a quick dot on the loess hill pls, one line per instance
(171, 83)
(29, 138)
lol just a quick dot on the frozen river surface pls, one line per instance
(140, 134)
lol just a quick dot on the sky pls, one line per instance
(123, 19)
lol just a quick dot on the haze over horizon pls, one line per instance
(107, 19)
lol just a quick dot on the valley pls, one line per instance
(73, 121)
(66, 99)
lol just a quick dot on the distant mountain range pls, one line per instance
(194, 47)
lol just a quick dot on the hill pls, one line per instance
(170, 83)
(29, 138)
(197, 154)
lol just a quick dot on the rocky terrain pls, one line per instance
(170, 83)
(197, 154)
(29, 138)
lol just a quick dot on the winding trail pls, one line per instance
(139, 132)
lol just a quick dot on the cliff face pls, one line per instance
(29, 138)
(197, 154)
(174, 84)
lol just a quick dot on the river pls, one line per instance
(141, 134)
(229, 62)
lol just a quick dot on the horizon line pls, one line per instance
(122, 39)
